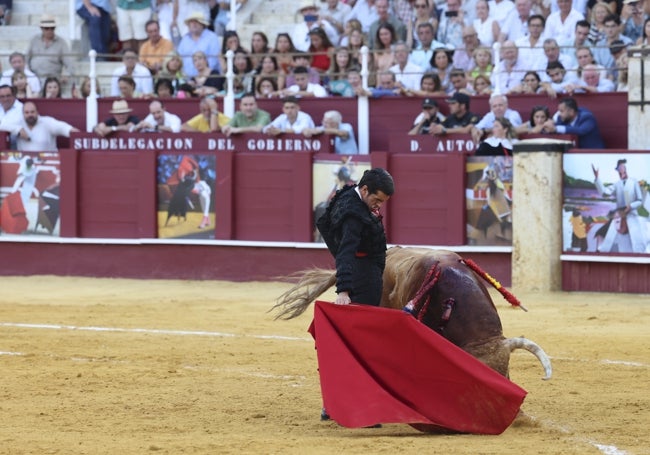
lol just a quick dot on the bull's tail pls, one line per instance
(312, 283)
(533, 348)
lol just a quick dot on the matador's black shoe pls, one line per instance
(324, 416)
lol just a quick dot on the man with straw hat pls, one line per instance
(122, 120)
(199, 38)
(48, 53)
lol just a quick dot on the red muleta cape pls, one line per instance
(380, 365)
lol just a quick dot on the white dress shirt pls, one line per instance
(141, 75)
(409, 77)
(282, 122)
(170, 120)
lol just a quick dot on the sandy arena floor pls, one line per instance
(98, 366)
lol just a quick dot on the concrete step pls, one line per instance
(40, 7)
(29, 12)
(271, 20)
(15, 38)
(275, 12)
(30, 18)
(272, 17)
(26, 14)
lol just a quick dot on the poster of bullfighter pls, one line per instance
(186, 184)
(29, 193)
(330, 175)
(606, 207)
(488, 199)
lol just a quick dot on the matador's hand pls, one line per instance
(342, 298)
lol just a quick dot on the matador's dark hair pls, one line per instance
(378, 179)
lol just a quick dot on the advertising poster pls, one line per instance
(328, 176)
(186, 196)
(488, 200)
(29, 193)
(606, 207)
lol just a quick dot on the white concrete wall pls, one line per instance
(639, 116)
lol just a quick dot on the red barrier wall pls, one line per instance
(605, 277)
(259, 196)
(429, 205)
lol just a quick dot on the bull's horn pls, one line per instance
(532, 347)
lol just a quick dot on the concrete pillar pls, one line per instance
(537, 214)
(638, 96)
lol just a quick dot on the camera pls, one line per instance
(451, 13)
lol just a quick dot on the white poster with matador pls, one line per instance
(29, 193)
(606, 204)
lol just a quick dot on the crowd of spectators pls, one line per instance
(422, 48)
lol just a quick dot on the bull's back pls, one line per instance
(474, 316)
(406, 269)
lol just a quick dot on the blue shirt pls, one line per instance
(346, 146)
(208, 42)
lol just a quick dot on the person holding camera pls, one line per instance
(452, 21)
(300, 35)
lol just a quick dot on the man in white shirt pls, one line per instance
(515, 25)
(292, 120)
(365, 12)
(421, 55)
(38, 133)
(159, 120)
(10, 106)
(499, 10)
(335, 12)
(498, 108)
(300, 35)
(302, 87)
(510, 70)
(140, 74)
(559, 79)
(531, 47)
(18, 63)
(593, 81)
(552, 54)
(407, 74)
(561, 24)
(11, 111)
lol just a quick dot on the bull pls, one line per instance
(444, 292)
